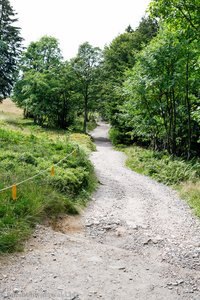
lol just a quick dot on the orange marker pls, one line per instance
(14, 192)
(52, 171)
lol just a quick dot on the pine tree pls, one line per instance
(10, 48)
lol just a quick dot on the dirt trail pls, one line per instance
(136, 240)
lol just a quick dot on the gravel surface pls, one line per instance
(136, 240)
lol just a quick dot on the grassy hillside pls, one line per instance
(26, 152)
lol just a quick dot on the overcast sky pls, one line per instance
(74, 22)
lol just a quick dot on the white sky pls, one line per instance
(74, 22)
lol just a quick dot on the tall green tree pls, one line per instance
(183, 16)
(86, 66)
(45, 89)
(10, 48)
(159, 94)
(120, 56)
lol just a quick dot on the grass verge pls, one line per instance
(182, 175)
(23, 155)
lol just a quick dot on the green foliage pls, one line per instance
(173, 171)
(45, 196)
(161, 95)
(119, 56)
(118, 137)
(86, 66)
(84, 140)
(191, 192)
(151, 80)
(181, 14)
(42, 55)
(46, 89)
(161, 166)
(10, 48)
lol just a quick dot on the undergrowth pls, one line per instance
(182, 175)
(23, 155)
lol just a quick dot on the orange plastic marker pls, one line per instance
(52, 171)
(14, 192)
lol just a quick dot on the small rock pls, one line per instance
(122, 268)
(174, 283)
(147, 242)
(107, 227)
(89, 225)
(136, 227)
(157, 240)
(120, 231)
(16, 290)
(96, 222)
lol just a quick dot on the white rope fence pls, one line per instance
(14, 186)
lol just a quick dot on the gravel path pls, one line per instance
(136, 240)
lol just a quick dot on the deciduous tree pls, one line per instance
(86, 67)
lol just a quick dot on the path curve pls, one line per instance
(136, 240)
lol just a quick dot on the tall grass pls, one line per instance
(182, 175)
(161, 166)
(22, 156)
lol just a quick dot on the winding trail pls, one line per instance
(136, 240)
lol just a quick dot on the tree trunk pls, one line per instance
(85, 111)
(174, 122)
(85, 115)
(188, 105)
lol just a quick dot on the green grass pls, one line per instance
(181, 175)
(24, 154)
(83, 139)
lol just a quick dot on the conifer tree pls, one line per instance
(10, 48)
